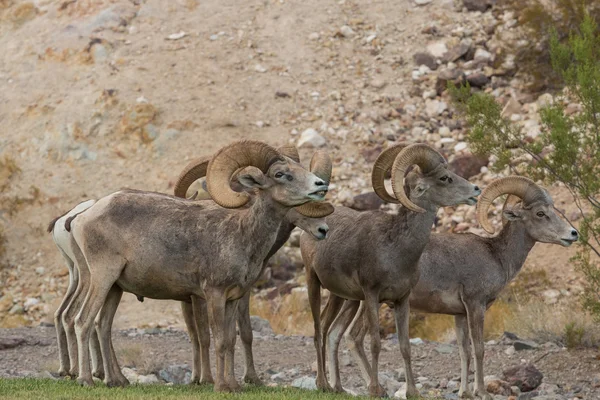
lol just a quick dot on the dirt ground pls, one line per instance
(576, 372)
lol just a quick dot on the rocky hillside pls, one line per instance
(103, 94)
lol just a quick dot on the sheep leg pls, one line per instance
(216, 302)
(475, 318)
(104, 321)
(401, 314)
(202, 328)
(371, 305)
(61, 334)
(84, 323)
(243, 320)
(82, 277)
(462, 337)
(96, 353)
(188, 316)
(334, 336)
(328, 315)
(230, 320)
(314, 298)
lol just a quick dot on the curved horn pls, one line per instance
(420, 154)
(382, 165)
(195, 169)
(290, 151)
(320, 165)
(522, 187)
(230, 158)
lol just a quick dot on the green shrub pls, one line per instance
(568, 148)
(536, 19)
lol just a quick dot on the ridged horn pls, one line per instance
(320, 165)
(290, 151)
(382, 165)
(522, 187)
(229, 159)
(195, 170)
(420, 154)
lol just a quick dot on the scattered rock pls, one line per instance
(482, 56)
(497, 386)
(478, 79)
(455, 76)
(458, 51)
(137, 120)
(305, 382)
(259, 68)
(526, 376)
(6, 302)
(366, 201)
(10, 342)
(424, 58)
(433, 108)
(310, 138)
(314, 36)
(525, 345)
(511, 107)
(468, 165)
(545, 100)
(551, 296)
(445, 349)
(147, 379)
(416, 341)
(422, 2)
(17, 309)
(261, 325)
(371, 153)
(478, 5)
(347, 32)
(378, 83)
(437, 49)
(176, 374)
(176, 36)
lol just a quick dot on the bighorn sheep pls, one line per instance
(195, 312)
(158, 246)
(462, 274)
(65, 333)
(373, 256)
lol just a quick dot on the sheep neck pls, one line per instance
(263, 218)
(411, 230)
(511, 247)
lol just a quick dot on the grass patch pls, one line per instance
(51, 389)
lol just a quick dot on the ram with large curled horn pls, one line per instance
(463, 274)
(164, 247)
(373, 256)
(310, 220)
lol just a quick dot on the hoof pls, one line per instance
(465, 395)
(379, 391)
(85, 381)
(253, 380)
(339, 389)
(98, 374)
(63, 372)
(224, 388)
(483, 395)
(73, 372)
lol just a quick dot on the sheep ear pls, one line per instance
(419, 189)
(512, 214)
(252, 178)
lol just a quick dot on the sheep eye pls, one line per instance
(279, 175)
(443, 178)
(540, 214)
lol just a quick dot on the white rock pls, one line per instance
(509, 351)
(433, 108)
(416, 341)
(545, 100)
(482, 55)
(444, 131)
(214, 37)
(176, 36)
(401, 393)
(460, 146)
(429, 94)
(40, 270)
(378, 83)
(370, 38)
(314, 36)
(447, 140)
(310, 138)
(147, 379)
(422, 2)
(437, 49)
(260, 68)
(305, 382)
(346, 31)
(130, 374)
(29, 302)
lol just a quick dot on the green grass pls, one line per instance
(48, 389)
